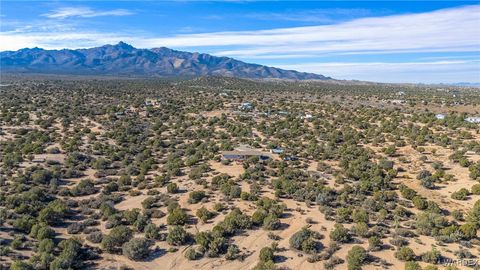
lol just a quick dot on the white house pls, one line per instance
(475, 120)
(307, 116)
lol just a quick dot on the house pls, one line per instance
(277, 150)
(246, 106)
(397, 101)
(440, 116)
(244, 154)
(474, 120)
(38, 160)
(307, 116)
(151, 102)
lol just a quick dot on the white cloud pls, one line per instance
(84, 12)
(447, 71)
(456, 29)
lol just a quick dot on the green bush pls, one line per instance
(412, 266)
(172, 188)
(177, 217)
(374, 243)
(340, 234)
(266, 254)
(271, 222)
(20, 265)
(177, 236)
(476, 189)
(203, 214)
(356, 257)
(196, 196)
(191, 254)
(136, 249)
(432, 256)
(461, 194)
(303, 240)
(405, 254)
(116, 238)
(152, 231)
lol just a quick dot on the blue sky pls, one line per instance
(390, 41)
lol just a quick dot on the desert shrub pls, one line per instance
(219, 207)
(232, 252)
(432, 256)
(469, 230)
(196, 196)
(95, 237)
(116, 238)
(374, 243)
(131, 215)
(461, 194)
(234, 222)
(457, 215)
(476, 189)
(407, 192)
(152, 231)
(428, 223)
(69, 257)
(85, 187)
(333, 262)
(361, 229)
(356, 257)
(136, 249)
(420, 203)
(172, 188)
(75, 228)
(148, 203)
(46, 245)
(343, 214)
(266, 254)
(360, 215)
(258, 216)
(340, 234)
(271, 222)
(177, 236)
(177, 217)
(213, 243)
(303, 240)
(405, 254)
(191, 254)
(270, 265)
(141, 222)
(203, 214)
(412, 266)
(53, 213)
(21, 265)
(41, 231)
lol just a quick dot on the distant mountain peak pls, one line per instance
(124, 46)
(124, 59)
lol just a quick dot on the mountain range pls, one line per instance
(125, 60)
